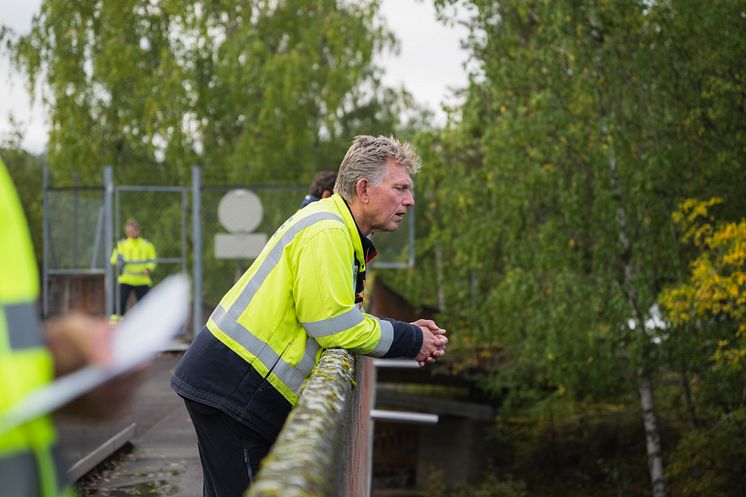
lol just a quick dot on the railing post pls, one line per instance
(197, 248)
(357, 481)
(108, 239)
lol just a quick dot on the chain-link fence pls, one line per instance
(278, 203)
(74, 260)
(163, 214)
(396, 249)
(83, 223)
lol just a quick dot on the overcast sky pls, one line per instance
(429, 64)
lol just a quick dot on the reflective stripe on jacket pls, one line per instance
(28, 467)
(299, 297)
(134, 255)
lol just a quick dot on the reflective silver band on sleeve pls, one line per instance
(387, 338)
(333, 325)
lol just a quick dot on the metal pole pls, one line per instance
(45, 247)
(184, 227)
(411, 236)
(75, 222)
(108, 238)
(116, 206)
(97, 240)
(116, 290)
(197, 247)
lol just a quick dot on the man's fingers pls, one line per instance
(430, 325)
(424, 323)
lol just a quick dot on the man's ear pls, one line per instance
(361, 188)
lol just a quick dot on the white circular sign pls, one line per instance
(240, 211)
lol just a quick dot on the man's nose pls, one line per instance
(409, 199)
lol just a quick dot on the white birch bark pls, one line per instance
(650, 418)
(652, 435)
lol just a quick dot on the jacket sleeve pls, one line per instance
(151, 257)
(324, 297)
(407, 339)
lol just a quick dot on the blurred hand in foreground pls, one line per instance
(77, 340)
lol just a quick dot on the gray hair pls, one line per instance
(367, 159)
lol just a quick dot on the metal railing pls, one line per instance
(325, 447)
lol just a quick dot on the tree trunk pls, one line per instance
(644, 385)
(688, 399)
(652, 434)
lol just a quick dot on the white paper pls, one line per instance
(145, 330)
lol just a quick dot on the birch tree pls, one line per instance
(251, 90)
(584, 126)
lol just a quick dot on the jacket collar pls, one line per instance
(365, 251)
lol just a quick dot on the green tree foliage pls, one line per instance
(25, 170)
(708, 310)
(254, 92)
(491, 486)
(551, 189)
(711, 462)
(574, 120)
(251, 90)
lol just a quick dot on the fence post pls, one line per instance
(45, 245)
(197, 248)
(108, 238)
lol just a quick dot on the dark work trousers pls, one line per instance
(124, 294)
(230, 451)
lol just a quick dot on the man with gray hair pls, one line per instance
(244, 372)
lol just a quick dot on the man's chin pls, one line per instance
(393, 226)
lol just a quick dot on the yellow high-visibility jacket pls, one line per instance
(28, 467)
(135, 255)
(298, 297)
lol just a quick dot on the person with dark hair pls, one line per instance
(244, 371)
(321, 187)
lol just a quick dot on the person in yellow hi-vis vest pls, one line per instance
(245, 370)
(135, 258)
(32, 355)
